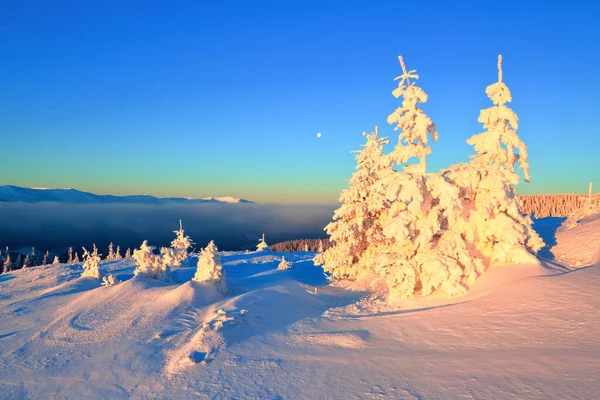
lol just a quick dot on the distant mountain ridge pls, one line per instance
(13, 194)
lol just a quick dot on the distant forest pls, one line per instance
(554, 205)
(301, 245)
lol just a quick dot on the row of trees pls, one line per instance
(555, 205)
(313, 245)
(420, 232)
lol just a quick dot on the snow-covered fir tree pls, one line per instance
(70, 260)
(26, 262)
(356, 222)
(128, 253)
(56, 261)
(284, 264)
(45, 259)
(7, 265)
(91, 263)
(34, 259)
(262, 245)
(149, 264)
(111, 252)
(76, 258)
(118, 253)
(18, 262)
(495, 226)
(209, 268)
(180, 245)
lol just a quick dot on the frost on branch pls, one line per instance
(209, 268)
(91, 263)
(149, 264)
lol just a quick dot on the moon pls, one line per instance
(319, 134)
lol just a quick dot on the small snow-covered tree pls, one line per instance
(7, 266)
(45, 259)
(76, 258)
(33, 257)
(128, 253)
(56, 261)
(262, 245)
(118, 253)
(284, 264)
(111, 252)
(209, 268)
(17, 264)
(109, 280)
(27, 262)
(149, 264)
(91, 263)
(70, 260)
(180, 246)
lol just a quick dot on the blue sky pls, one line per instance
(225, 98)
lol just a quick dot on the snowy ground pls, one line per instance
(522, 332)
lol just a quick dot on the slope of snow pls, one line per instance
(11, 193)
(523, 332)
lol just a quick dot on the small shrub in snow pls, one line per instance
(284, 264)
(109, 280)
(91, 261)
(209, 268)
(262, 245)
(150, 265)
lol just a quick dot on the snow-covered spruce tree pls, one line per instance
(111, 252)
(27, 262)
(118, 253)
(91, 261)
(180, 246)
(493, 224)
(262, 245)
(34, 259)
(56, 261)
(150, 265)
(18, 263)
(76, 258)
(209, 268)
(70, 260)
(45, 259)
(7, 265)
(284, 264)
(128, 253)
(356, 222)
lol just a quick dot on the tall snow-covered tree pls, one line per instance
(26, 262)
(56, 261)
(149, 264)
(262, 245)
(356, 223)
(284, 264)
(91, 263)
(209, 268)
(118, 253)
(18, 263)
(495, 225)
(45, 259)
(34, 259)
(70, 260)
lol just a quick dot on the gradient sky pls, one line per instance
(223, 98)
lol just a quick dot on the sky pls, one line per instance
(225, 98)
